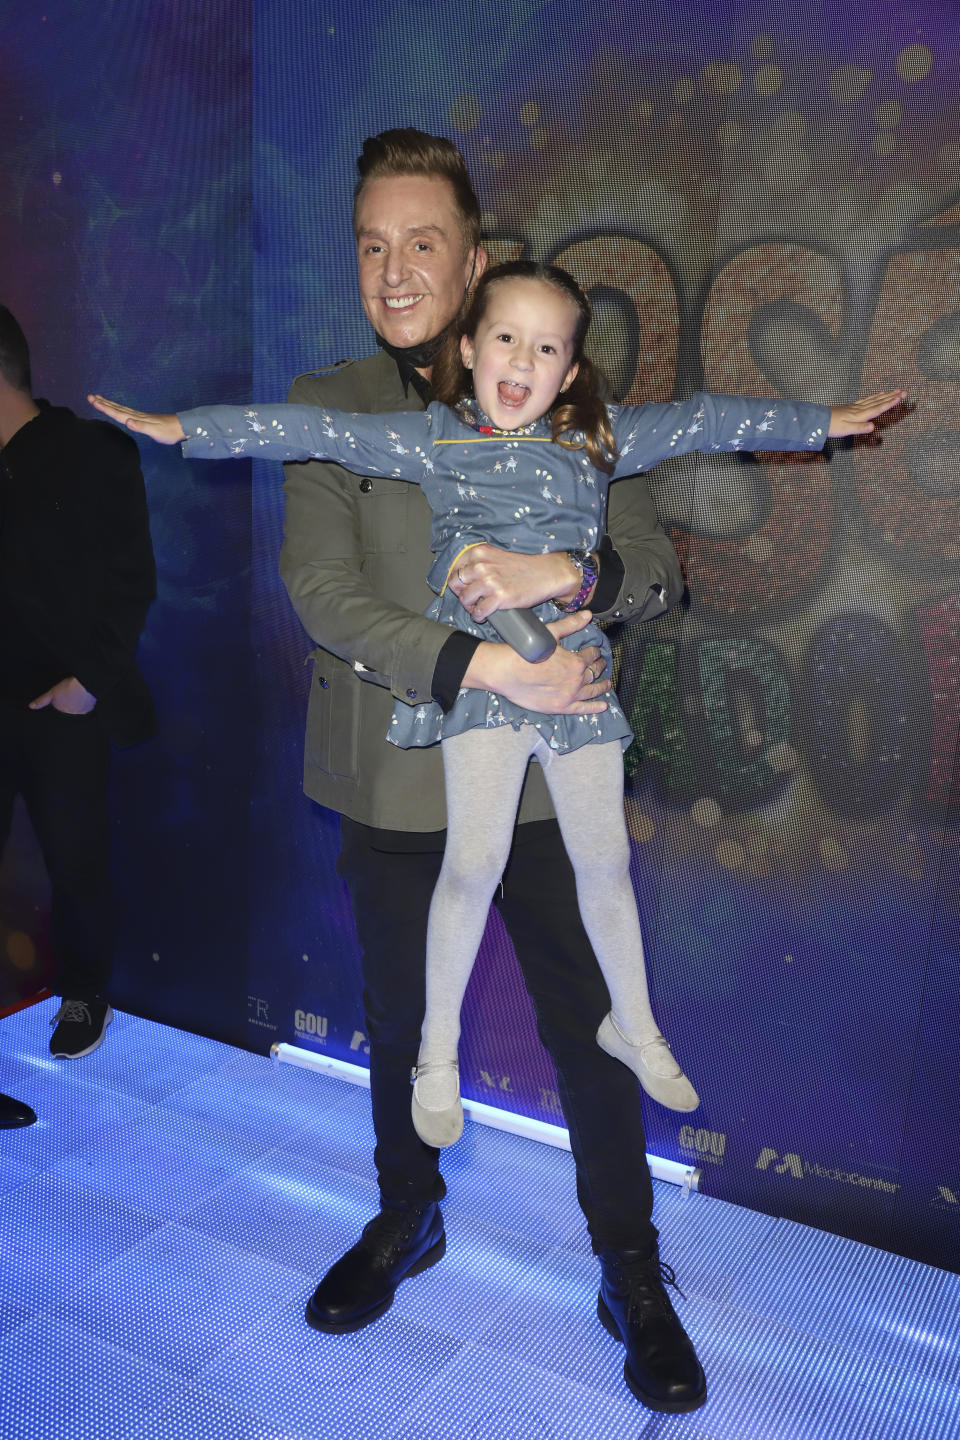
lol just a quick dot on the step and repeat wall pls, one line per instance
(757, 203)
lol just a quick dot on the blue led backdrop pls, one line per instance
(759, 202)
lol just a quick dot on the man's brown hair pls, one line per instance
(414, 152)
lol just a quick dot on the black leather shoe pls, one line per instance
(14, 1114)
(397, 1243)
(661, 1367)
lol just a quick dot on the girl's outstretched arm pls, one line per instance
(396, 446)
(857, 419)
(165, 429)
(647, 434)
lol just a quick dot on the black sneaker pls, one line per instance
(81, 1026)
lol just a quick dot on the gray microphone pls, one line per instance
(525, 632)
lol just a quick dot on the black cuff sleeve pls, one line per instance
(451, 666)
(610, 578)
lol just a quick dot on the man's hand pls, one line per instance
(67, 696)
(569, 682)
(856, 419)
(487, 579)
(165, 429)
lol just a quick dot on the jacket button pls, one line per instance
(366, 485)
(629, 599)
(322, 683)
(411, 694)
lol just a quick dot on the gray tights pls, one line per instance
(484, 771)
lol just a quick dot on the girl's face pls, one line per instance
(522, 353)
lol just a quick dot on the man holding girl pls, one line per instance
(354, 561)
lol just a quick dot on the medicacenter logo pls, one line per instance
(792, 1164)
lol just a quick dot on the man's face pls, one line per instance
(412, 266)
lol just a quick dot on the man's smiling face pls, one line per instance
(413, 268)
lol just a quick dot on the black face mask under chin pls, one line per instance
(419, 356)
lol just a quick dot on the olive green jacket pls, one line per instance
(354, 560)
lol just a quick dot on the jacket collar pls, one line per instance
(394, 385)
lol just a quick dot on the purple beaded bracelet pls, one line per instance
(588, 568)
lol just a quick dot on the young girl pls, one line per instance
(518, 450)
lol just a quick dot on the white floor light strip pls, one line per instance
(674, 1171)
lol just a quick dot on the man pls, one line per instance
(76, 580)
(354, 560)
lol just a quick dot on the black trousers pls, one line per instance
(60, 764)
(390, 887)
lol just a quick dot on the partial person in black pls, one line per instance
(14, 1114)
(77, 578)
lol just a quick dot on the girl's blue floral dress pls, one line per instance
(519, 490)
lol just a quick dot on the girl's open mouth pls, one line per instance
(511, 394)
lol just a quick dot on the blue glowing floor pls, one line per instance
(164, 1222)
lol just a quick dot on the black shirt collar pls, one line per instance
(409, 376)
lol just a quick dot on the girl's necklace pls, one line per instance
(470, 412)
(521, 430)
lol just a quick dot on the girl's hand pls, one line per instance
(165, 429)
(856, 419)
(486, 579)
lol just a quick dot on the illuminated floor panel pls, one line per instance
(180, 1299)
(483, 1178)
(196, 1416)
(163, 1224)
(60, 1383)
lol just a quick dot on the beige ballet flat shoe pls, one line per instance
(435, 1105)
(652, 1063)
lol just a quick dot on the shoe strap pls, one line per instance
(657, 1039)
(660, 1040)
(433, 1067)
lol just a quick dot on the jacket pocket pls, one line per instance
(383, 515)
(333, 718)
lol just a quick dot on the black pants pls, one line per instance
(60, 765)
(390, 887)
